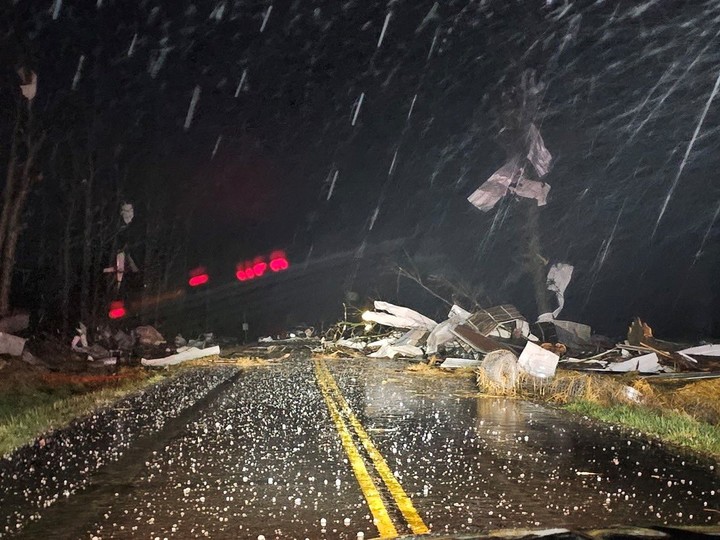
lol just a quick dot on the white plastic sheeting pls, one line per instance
(704, 350)
(398, 317)
(538, 155)
(494, 188)
(558, 279)
(442, 333)
(191, 353)
(647, 363)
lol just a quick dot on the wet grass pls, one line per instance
(33, 404)
(674, 427)
(683, 413)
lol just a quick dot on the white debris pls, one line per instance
(190, 354)
(460, 363)
(494, 188)
(538, 155)
(127, 213)
(537, 361)
(398, 317)
(647, 363)
(11, 345)
(442, 333)
(558, 279)
(704, 350)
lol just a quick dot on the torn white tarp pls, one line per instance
(488, 194)
(12, 345)
(647, 363)
(391, 351)
(127, 213)
(531, 189)
(558, 279)
(189, 354)
(537, 361)
(398, 317)
(442, 333)
(704, 350)
(538, 155)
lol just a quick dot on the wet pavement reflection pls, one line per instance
(264, 460)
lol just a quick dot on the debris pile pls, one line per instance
(500, 342)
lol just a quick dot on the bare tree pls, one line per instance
(21, 176)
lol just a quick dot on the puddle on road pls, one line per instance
(476, 463)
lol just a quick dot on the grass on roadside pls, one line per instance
(677, 428)
(684, 413)
(32, 405)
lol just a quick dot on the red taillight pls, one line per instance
(259, 268)
(241, 275)
(200, 279)
(117, 310)
(198, 276)
(281, 263)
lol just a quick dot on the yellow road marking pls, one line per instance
(403, 502)
(385, 526)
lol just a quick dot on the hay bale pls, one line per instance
(499, 371)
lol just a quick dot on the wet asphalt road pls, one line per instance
(271, 456)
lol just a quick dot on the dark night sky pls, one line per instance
(625, 86)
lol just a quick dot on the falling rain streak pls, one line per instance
(332, 184)
(384, 28)
(191, 108)
(78, 72)
(687, 153)
(357, 108)
(265, 18)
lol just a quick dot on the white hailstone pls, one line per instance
(338, 482)
(261, 537)
(297, 501)
(360, 535)
(346, 521)
(270, 480)
(323, 522)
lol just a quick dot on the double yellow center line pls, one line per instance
(342, 415)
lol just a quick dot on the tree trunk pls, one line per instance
(66, 269)
(87, 247)
(535, 263)
(9, 189)
(14, 222)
